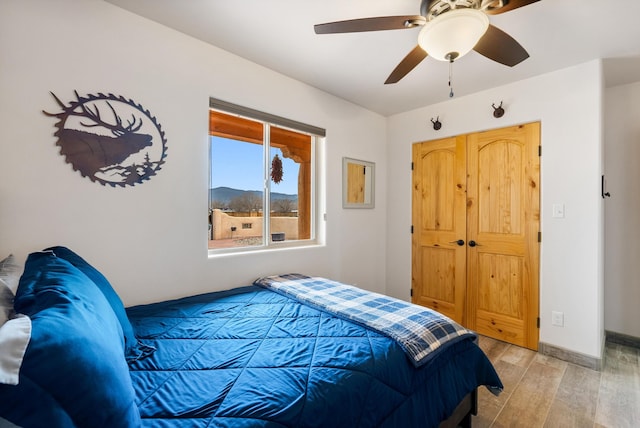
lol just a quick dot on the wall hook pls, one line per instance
(603, 189)
(497, 111)
(436, 124)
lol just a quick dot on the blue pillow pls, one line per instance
(73, 368)
(134, 349)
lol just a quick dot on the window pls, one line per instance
(262, 179)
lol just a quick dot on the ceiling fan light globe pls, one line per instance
(453, 32)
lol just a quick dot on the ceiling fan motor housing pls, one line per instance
(433, 8)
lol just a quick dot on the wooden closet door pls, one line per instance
(438, 200)
(503, 214)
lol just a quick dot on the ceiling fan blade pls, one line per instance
(510, 5)
(501, 47)
(370, 24)
(409, 62)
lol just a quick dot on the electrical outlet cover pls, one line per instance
(557, 318)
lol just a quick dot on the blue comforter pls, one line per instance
(250, 357)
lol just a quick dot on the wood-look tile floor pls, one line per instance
(541, 391)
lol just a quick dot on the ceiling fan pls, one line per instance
(450, 29)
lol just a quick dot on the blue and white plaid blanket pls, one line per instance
(418, 330)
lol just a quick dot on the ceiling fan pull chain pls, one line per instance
(450, 78)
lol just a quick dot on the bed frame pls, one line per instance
(461, 416)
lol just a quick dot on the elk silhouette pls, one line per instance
(89, 152)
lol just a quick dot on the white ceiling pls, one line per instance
(278, 34)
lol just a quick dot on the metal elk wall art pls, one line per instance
(110, 139)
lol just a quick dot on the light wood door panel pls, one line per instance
(438, 265)
(356, 180)
(503, 170)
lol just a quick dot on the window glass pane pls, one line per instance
(290, 162)
(236, 193)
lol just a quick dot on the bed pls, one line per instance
(254, 356)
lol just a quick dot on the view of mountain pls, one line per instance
(226, 194)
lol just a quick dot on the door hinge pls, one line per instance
(411, 228)
(538, 322)
(411, 166)
(539, 236)
(539, 150)
(411, 292)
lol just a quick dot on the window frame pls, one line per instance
(268, 121)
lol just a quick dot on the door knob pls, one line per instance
(460, 242)
(473, 243)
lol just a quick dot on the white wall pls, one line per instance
(150, 240)
(568, 105)
(622, 230)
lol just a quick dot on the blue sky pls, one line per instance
(238, 165)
